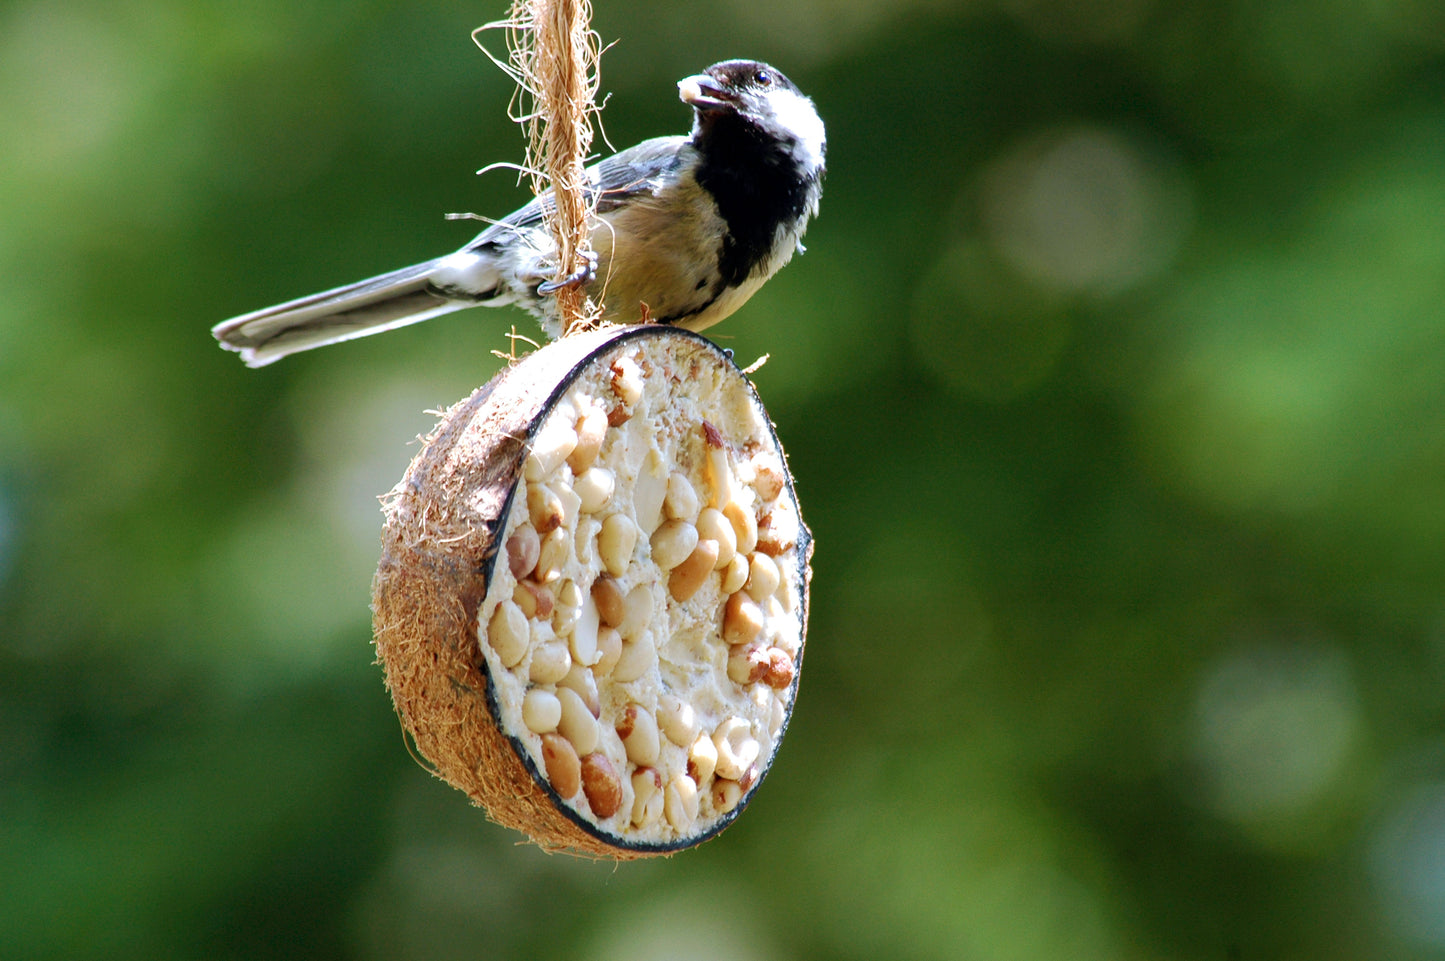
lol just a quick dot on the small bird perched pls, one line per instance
(689, 226)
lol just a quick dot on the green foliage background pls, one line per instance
(1113, 381)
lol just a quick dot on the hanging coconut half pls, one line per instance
(592, 596)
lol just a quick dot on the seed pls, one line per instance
(746, 665)
(777, 714)
(587, 528)
(779, 674)
(680, 502)
(768, 478)
(672, 543)
(677, 720)
(601, 785)
(725, 795)
(691, 574)
(735, 575)
(609, 650)
(638, 657)
(545, 508)
(580, 680)
(649, 491)
(742, 619)
(736, 747)
(713, 526)
(745, 526)
(594, 488)
(522, 550)
(763, 577)
(577, 723)
(680, 804)
(534, 600)
(564, 770)
(626, 380)
(773, 535)
(638, 731)
(719, 476)
(550, 663)
(541, 711)
(550, 448)
(553, 555)
(508, 634)
(702, 759)
(646, 785)
(616, 542)
(639, 612)
(591, 432)
(611, 608)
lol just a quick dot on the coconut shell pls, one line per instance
(445, 524)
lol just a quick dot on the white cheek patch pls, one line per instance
(795, 112)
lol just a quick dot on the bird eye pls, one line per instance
(764, 79)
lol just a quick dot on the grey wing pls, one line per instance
(642, 169)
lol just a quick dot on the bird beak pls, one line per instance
(702, 92)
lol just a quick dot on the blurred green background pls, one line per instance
(1114, 385)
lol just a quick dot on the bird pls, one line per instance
(687, 229)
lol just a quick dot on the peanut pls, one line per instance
(745, 526)
(689, 576)
(677, 720)
(774, 536)
(638, 612)
(609, 651)
(735, 575)
(763, 577)
(747, 665)
(713, 526)
(535, 601)
(601, 785)
(576, 723)
(649, 491)
(680, 502)
(626, 380)
(553, 555)
(550, 448)
(522, 550)
(508, 634)
(672, 543)
(550, 663)
(638, 731)
(545, 508)
(541, 711)
(768, 478)
(581, 680)
(719, 473)
(680, 802)
(638, 657)
(611, 608)
(564, 770)
(591, 432)
(595, 488)
(702, 759)
(779, 673)
(646, 786)
(742, 619)
(736, 748)
(725, 795)
(616, 542)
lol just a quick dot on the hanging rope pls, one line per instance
(553, 55)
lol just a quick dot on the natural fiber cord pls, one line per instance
(553, 55)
